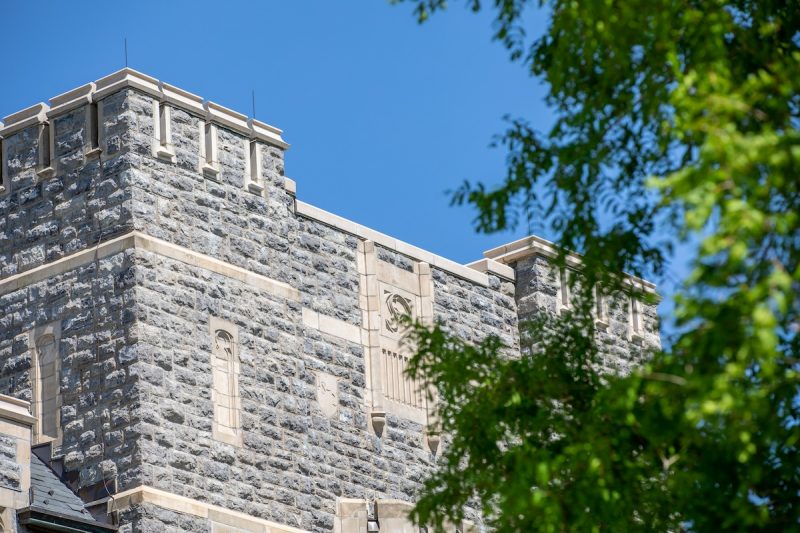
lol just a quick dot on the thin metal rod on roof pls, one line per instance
(126, 52)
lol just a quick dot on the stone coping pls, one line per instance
(181, 504)
(490, 266)
(469, 272)
(533, 245)
(141, 241)
(15, 409)
(164, 92)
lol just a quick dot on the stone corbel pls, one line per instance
(378, 419)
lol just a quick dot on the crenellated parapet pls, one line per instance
(29, 131)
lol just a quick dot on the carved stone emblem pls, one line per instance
(397, 306)
(224, 344)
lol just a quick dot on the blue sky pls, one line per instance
(383, 115)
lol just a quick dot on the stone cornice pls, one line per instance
(533, 245)
(164, 92)
(140, 241)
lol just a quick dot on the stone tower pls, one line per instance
(201, 350)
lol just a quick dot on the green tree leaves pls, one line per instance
(676, 119)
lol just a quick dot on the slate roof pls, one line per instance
(50, 495)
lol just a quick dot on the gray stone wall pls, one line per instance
(42, 220)
(10, 469)
(176, 203)
(295, 460)
(538, 289)
(95, 306)
(149, 517)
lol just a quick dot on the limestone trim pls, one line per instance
(386, 293)
(44, 344)
(209, 150)
(332, 326)
(36, 114)
(70, 100)
(4, 188)
(363, 232)
(164, 92)
(141, 241)
(290, 186)
(490, 266)
(225, 370)
(253, 181)
(162, 132)
(533, 245)
(16, 423)
(354, 515)
(46, 167)
(180, 504)
(15, 409)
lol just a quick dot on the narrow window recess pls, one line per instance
(46, 167)
(93, 117)
(635, 319)
(162, 125)
(209, 151)
(600, 308)
(253, 168)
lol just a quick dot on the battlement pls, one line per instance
(168, 94)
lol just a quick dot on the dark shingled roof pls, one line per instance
(50, 495)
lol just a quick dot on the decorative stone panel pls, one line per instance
(46, 380)
(388, 293)
(225, 369)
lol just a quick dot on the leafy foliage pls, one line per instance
(676, 119)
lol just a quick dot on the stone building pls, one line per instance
(187, 346)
